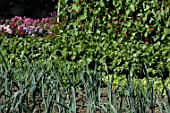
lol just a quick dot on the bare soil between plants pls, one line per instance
(82, 101)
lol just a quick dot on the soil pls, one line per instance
(81, 102)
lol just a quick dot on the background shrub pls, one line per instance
(124, 35)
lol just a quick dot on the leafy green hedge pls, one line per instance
(133, 20)
(131, 34)
(120, 58)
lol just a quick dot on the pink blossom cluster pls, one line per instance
(27, 26)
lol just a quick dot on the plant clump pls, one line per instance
(27, 26)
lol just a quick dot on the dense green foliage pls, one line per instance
(121, 34)
(118, 57)
(57, 87)
(95, 45)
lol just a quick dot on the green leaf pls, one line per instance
(146, 34)
(128, 24)
(74, 6)
(25, 108)
(168, 37)
(158, 43)
(139, 14)
(82, 17)
(89, 60)
(114, 2)
(144, 18)
(128, 12)
(147, 7)
(163, 37)
(96, 12)
(132, 7)
(102, 4)
(167, 31)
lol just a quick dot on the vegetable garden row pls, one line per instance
(95, 56)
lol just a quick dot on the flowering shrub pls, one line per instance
(27, 26)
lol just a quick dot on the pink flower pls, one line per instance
(1, 27)
(45, 25)
(47, 19)
(33, 35)
(54, 14)
(38, 20)
(31, 27)
(13, 25)
(21, 27)
(22, 32)
(27, 20)
(41, 31)
(7, 20)
(29, 32)
(51, 26)
(13, 19)
(8, 30)
(20, 20)
(43, 19)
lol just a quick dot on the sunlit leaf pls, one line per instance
(167, 31)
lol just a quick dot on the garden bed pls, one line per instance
(95, 59)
